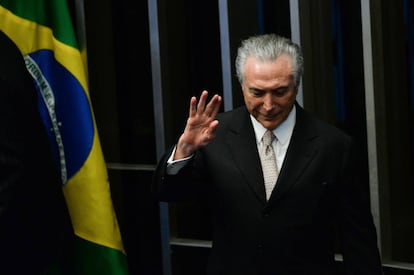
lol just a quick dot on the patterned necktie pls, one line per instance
(269, 165)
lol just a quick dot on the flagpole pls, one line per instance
(81, 29)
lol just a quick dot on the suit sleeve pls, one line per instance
(11, 145)
(357, 230)
(33, 217)
(15, 104)
(185, 185)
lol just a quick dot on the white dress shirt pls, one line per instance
(283, 134)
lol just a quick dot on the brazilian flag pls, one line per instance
(44, 33)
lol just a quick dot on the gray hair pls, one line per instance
(268, 47)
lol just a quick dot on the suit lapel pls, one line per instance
(242, 143)
(300, 152)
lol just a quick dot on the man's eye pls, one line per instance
(256, 93)
(280, 91)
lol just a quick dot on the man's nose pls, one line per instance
(268, 101)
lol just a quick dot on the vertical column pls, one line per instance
(159, 125)
(370, 113)
(295, 36)
(225, 55)
(80, 24)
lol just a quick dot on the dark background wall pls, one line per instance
(120, 57)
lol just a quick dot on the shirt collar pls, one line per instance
(283, 132)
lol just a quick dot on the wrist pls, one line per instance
(183, 150)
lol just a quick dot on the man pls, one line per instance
(286, 225)
(33, 214)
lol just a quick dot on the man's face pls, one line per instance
(269, 91)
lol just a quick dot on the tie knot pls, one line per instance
(268, 138)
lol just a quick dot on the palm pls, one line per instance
(198, 130)
(201, 125)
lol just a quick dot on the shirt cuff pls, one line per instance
(174, 166)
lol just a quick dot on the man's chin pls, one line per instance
(268, 124)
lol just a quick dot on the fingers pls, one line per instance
(200, 108)
(193, 104)
(213, 107)
(202, 102)
(213, 126)
(211, 131)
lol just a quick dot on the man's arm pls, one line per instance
(174, 166)
(174, 178)
(358, 232)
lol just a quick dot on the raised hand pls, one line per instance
(201, 125)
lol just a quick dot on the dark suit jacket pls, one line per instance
(33, 214)
(316, 197)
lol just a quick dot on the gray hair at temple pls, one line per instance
(268, 47)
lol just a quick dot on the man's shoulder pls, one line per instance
(12, 65)
(320, 126)
(235, 112)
